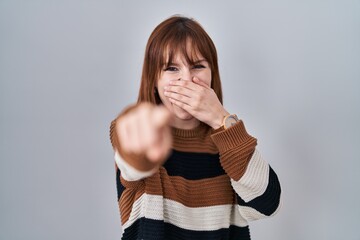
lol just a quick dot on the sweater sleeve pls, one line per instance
(254, 181)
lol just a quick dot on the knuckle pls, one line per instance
(121, 124)
(196, 105)
(130, 119)
(141, 108)
(118, 124)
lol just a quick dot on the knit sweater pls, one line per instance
(213, 183)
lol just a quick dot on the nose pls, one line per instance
(186, 74)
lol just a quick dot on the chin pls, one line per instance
(181, 113)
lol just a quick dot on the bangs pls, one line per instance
(187, 42)
(186, 48)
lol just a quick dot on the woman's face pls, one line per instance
(181, 69)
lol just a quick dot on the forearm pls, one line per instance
(255, 183)
(258, 190)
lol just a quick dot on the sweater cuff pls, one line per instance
(130, 173)
(226, 139)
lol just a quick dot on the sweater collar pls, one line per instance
(198, 131)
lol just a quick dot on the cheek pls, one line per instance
(161, 83)
(164, 80)
(206, 77)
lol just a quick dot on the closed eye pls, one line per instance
(171, 69)
(198, 66)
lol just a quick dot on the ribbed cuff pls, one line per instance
(231, 137)
(129, 173)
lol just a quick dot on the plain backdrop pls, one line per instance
(290, 70)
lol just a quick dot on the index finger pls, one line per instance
(185, 83)
(160, 117)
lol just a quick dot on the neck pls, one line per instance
(185, 124)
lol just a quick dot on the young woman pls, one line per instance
(186, 167)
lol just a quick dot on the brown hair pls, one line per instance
(168, 39)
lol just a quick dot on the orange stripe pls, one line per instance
(191, 193)
(195, 145)
(127, 199)
(235, 161)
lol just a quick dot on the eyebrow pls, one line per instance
(201, 60)
(196, 62)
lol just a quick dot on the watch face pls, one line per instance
(230, 121)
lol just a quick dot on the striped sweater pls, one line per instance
(213, 183)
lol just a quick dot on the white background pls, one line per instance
(290, 70)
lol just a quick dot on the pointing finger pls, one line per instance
(160, 117)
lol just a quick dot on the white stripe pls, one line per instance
(255, 179)
(130, 173)
(197, 219)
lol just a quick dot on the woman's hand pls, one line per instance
(145, 130)
(198, 99)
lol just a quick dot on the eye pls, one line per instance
(171, 69)
(198, 66)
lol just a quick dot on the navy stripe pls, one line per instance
(194, 166)
(269, 201)
(119, 187)
(159, 230)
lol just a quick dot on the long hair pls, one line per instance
(168, 39)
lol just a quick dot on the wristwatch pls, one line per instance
(230, 120)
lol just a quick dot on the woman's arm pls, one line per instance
(256, 184)
(131, 140)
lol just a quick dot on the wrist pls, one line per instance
(218, 120)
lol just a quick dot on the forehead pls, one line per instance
(187, 53)
(183, 58)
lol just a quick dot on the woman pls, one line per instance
(186, 168)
